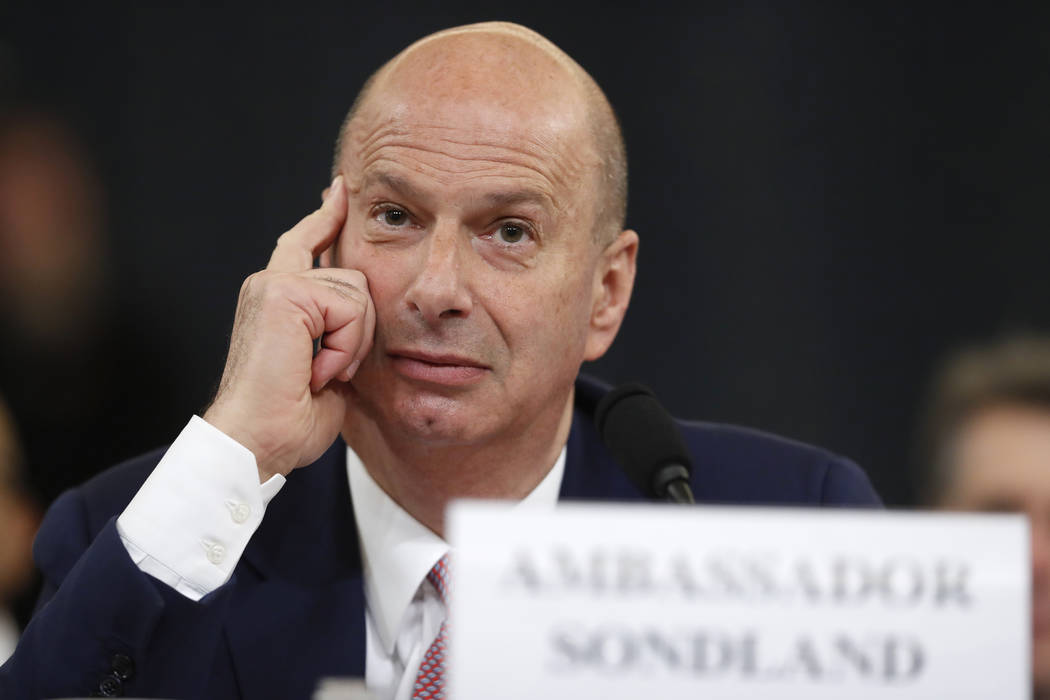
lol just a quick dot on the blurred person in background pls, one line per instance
(19, 519)
(53, 253)
(986, 446)
(75, 354)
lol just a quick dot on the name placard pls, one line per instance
(624, 601)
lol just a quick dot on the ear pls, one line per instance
(613, 282)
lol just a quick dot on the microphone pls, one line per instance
(643, 438)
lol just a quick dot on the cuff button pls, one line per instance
(110, 687)
(215, 552)
(123, 667)
(241, 512)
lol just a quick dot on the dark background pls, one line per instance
(829, 197)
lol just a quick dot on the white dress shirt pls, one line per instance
(404, 611)
(190, 522)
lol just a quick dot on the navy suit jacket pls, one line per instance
(294, 610)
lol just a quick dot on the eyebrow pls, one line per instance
(493, 199)
(394, 182)
(510, 197)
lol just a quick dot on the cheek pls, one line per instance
(387, 272)
(546, 318)
(573, 300)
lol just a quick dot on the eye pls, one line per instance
(395, 217)
(511, 233)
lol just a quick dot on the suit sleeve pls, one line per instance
(191, 520)
(846, 484)
(102, 626)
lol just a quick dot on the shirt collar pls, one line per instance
(398, 550)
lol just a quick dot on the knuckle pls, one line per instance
(249, 301)
(358, 279)
(345, 288)
(348, 292)
(250, 285)
(275, 287)
(265, 288)
(284, 238)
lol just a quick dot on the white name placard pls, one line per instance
(622, 601)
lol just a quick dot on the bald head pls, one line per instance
(504, 67)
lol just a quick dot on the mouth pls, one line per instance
(445, 369)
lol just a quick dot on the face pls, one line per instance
(1002, 464)
(473, 221)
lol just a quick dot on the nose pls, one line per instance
(438, 291)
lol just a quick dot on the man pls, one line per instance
(987, 446)
(473, 256)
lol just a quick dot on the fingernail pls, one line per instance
(352, 368)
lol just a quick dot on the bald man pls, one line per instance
(473, 255)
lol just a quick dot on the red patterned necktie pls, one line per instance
(430, 681)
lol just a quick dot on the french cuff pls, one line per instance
(190, 522)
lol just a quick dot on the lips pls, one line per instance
(445, 369)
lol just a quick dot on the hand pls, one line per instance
(276, 398)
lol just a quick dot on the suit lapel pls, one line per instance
(300, 590)
(320, 628)
(300, 584)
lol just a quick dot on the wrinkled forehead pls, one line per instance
(492, 84)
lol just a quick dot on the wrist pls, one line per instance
(225, 420)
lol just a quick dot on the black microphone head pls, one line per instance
(643, 438)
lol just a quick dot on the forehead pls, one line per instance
(470, 145)
(1003, 455)
(469, 107)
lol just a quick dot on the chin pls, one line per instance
(437, 420)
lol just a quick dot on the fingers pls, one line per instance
(326, 257)
(297, 248)
(348, 320)
(369, 328)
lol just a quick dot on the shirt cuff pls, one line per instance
(190, 522)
